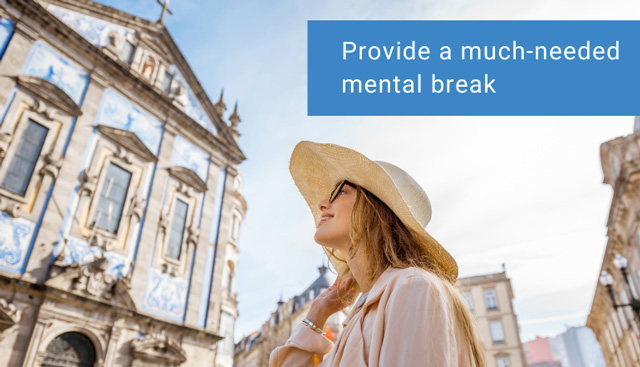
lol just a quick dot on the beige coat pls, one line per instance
(405, 322)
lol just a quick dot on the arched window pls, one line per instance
(70, 349)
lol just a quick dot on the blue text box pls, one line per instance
(401, 68)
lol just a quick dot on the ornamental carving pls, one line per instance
(193, 235)
(88, 183)
(51, 93)
(9, 206)
(5, 139)
(53, 162)
(136, 208)
(157, 350)
(92, 280)
(9, 314)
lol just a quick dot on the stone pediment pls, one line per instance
(49, 93)
(91, 280)
(189, 177)
(129, 140)
(107, 28)
(157, 350)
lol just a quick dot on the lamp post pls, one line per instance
(606, 279)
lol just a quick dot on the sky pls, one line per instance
(523, 191)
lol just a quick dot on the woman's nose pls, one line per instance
(323, 204)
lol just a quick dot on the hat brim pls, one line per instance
(316, 168)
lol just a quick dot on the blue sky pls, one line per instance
(525, 191)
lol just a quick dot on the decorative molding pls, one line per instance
(5, 139)
(91, 280)
(53, 162)
(188, 177)
(50, 93)
(10, 207)
(158, 350)
(88, 183)
(129, 140)
(9, 315)
(138, 202)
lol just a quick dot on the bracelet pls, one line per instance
(313, 326)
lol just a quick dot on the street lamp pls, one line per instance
(607, 280)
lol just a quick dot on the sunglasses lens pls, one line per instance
(336, 192)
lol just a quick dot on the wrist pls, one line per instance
(316, 316)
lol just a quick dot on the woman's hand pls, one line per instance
(328, 302)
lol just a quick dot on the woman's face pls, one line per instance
(335, 220)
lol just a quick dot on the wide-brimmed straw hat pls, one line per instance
(317, 168)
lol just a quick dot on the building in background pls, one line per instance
(120, 201)
(576, 347)
(538, 353)
(490, 298)
(617, 328)
(254, 350)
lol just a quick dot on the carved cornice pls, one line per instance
(129, 140)
(188, 177)
(50, 93)
(92, 281)
(158, 349)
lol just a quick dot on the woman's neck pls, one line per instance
(358, 267)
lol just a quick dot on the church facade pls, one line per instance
(120, 194)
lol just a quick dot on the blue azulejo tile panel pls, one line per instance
(119, 112)
(165, 295)
(47, 64)
(6, 31)
(93, 29)
(185, 154)
(78, 251)
(15, 239)
(191, 105)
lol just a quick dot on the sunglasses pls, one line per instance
(336, 192)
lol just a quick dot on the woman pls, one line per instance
(370, 218)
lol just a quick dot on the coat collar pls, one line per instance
(375, 293)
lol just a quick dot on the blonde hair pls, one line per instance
(392, 244)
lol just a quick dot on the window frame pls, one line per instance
(95, 200)
(504, 358)
(493, 339)
(122, 212)
(134, 48)
(47, 147)
(182, 258)
(495, 297)
(234, 226)
(469, 298)
(172, 76)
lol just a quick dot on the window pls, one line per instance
(166, 82)
(112, 197)
(174, 246)
(490, 299)
(502, 362)
(467, 297)
(235, 227)
(127, 52)
(24, 161)
(497, 334)
(230, 285)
